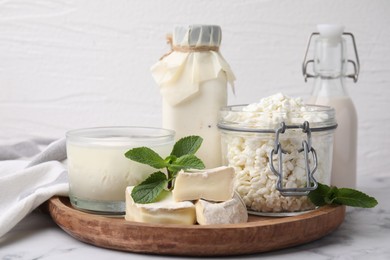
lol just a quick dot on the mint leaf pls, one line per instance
(188, 161)
(147, 156)
(344, 196)
(150, 189)
(318, 195)
(355, 198)
(187, 145)
(170, 159)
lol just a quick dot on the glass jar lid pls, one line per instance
(243, 118)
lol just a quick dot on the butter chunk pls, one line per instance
(229, 212)
(165, 211)
(212, 184)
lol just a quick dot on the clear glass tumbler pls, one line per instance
(98, 170)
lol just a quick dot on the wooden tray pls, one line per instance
(259, 234)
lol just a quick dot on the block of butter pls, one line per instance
(165, 211)
(213, 184)
(229, 212)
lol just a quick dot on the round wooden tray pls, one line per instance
(259, 234)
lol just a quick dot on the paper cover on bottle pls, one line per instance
(180, 74)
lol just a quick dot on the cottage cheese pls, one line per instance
(249, 153)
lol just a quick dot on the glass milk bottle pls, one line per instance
(330, 71)
(193, 81)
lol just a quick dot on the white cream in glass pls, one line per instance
(98, 170)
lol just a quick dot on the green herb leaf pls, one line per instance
(355, 198)
(318, 195)
(187, 145)
(170, 159)
(150, 189)
(188, 161)
(344, 196)
(147, 156)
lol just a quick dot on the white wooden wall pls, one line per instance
(68, 64)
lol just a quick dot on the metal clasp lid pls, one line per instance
(356, 64)
(311, 183)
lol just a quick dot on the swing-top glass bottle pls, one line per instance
(330, 71)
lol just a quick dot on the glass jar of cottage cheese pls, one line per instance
(98, 169)
(280, 149)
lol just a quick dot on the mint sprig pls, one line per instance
(324, 195)
(181, 157)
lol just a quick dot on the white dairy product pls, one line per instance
(193, 83)
(269, 112)
(198, 115)
(212, 184)
(248, 152)
(101, 172)
(165, 211)
(345, 144)
(232, 211)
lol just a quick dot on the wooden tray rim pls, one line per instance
(255, 223)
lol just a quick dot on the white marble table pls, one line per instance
(365, 234)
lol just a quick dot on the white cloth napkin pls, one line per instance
(24, 185)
